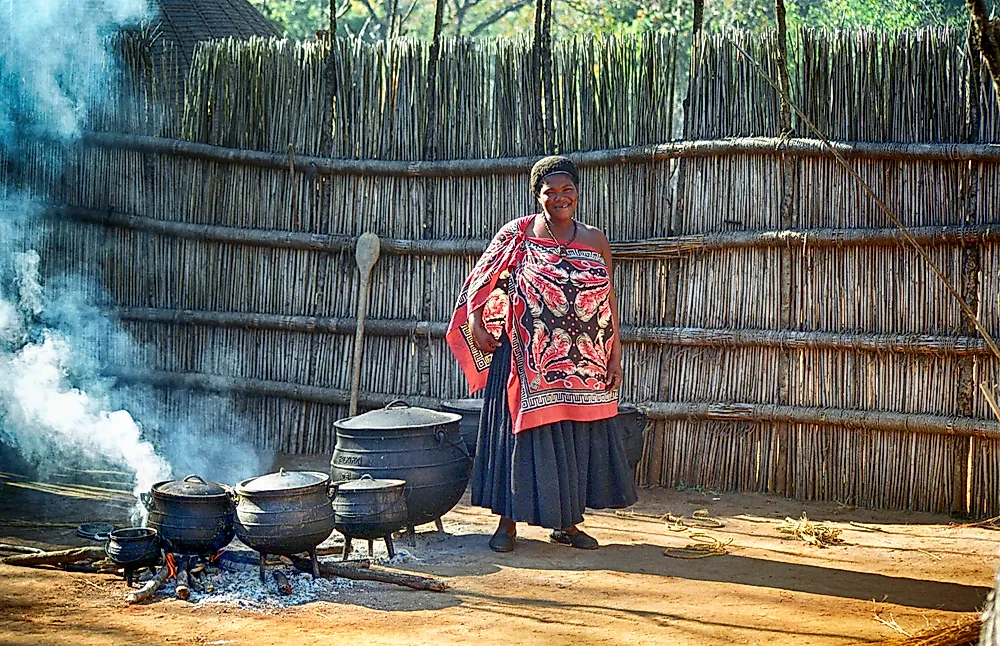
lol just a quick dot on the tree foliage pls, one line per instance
(377, 19)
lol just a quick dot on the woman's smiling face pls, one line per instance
(558, 196)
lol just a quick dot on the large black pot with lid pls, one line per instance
(191, 516)
(286, 513)
(420, 446)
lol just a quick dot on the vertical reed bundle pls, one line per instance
(373, 102)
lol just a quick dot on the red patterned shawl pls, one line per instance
(557, 314)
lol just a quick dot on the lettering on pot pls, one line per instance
(350, 460)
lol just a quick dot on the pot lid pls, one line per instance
(467, 405)
(192, 485)
(368, 483)
(284, 481)
(398, 415)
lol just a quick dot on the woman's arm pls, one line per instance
(614, 378)
(480, 335)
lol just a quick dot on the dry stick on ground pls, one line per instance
(147, 591)
(58, 557)
(353, 573)
(20, 549)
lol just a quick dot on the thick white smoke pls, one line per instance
(50, 419)
(55, 70)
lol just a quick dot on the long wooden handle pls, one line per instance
(366, 254)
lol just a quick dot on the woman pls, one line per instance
(536, 325)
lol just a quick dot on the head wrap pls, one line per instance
(550, 165)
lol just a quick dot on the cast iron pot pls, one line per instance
(191, 516)
(369, 508)
(419, 446)
(470, 410)
(634, 422)
(133, 548)
(287, 513)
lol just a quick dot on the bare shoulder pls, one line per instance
(594, 237)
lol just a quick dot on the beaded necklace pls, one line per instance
(562, 247)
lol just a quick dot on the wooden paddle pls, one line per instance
(366, 254)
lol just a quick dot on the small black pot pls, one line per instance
(133, 548)
(369, 508)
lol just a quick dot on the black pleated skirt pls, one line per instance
(546, 475)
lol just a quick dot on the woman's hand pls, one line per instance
(485, 341)
(613, 379)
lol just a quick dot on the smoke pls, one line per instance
(52, 407)
(56, 409)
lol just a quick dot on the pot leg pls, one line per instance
(315, 563)
(438, 525)
(411, 536)
(388, 545)
(128, 576)
(371, 548)
(263, 557)
(347, 548)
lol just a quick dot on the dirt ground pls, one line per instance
(909, 569)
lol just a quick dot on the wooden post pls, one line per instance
(536, 77)
(783, 484)
(971, 266)
(430, 193)
(548, 85)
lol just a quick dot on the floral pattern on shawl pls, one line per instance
(557, 315)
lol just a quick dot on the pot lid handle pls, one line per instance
(367, 476)
(195, 478)
(397, 403)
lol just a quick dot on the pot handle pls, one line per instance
(195, 478)
(333, 488)
(147, 500)
(442, 437)
(397, 403)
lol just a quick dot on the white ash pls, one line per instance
(238, 584)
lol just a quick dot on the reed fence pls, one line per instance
(779, 333)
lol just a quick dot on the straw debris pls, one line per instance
(813, 533)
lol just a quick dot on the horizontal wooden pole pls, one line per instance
(346, 326)
(733, 412)
(932, 236)
(851, 419)
(263, 237)
(672, 336)
(653, 248)
(796, 147)
(259, 387)
(796, 340)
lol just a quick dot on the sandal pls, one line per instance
(502, 541)
(579, 540)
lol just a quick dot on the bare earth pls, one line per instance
(912, 569)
